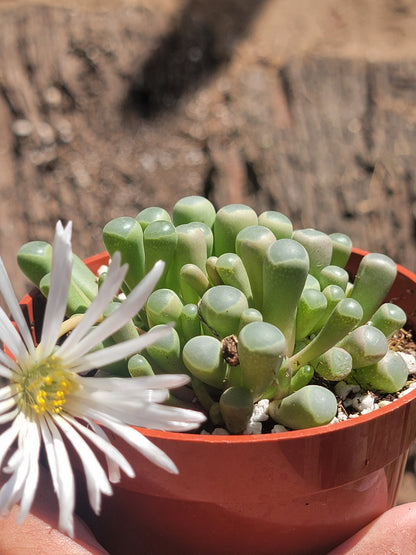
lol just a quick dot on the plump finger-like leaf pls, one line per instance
(229, 220)
(387, 375)
(278, 223)
(138, 365)
(311, 406)
(221, 309)
(261, 350)
(366, 345)
(345, 316)
(334, 365)
(236, 405)
(163, 306)
(376, 274)
(204, 359)
(165, 355)
(152, 214)
(125, 235)
(388, 318)
(285, 270)
(231, 270)
(341, 249)
(311, 308)
(318, 246)
(159, 240)
(193, 209)
(251, 245)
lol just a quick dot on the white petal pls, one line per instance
(123, 314)
(32, 447)
(133, 438)
(9, 416)
(6, 290)
(64, 481)
(105, 294)
(9, 435)
(10, 337)
(5, 372)
(97, 482)
(50, 453)
(7, 404)
(99, 438)
(7, 391)
(116, 352)
(58, 293)
(141, 383)
(113, 468)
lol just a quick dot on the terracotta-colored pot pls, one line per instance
(299, 492)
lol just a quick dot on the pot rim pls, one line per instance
(97, 260)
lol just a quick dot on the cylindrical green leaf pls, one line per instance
(333, 294)
(333, 365)
(236, 406)
(231, 271)
(341, 249)
(278, 223)
(160, 240)
(388, 318)
(261, 349)
(249, 315)
(221, 309)
(251, 245)
(190, 324)
(152, 214)
(35, 260)
(286, 266)
(318, 246)
(311, 307)
(191, 249)
(301, 378)
(375, 276)
(165, 354)
(311, 406)
(333, 275)
(193, 209)
(387, 375)
(366, 344)
(193, 283)
(125, 235)
(212, 273)
(163, 306)
(229, 221)
(138, 365)
(203, 357)
(345, 316)
(77, 301)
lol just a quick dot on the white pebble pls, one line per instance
(343, 389)
(260, 411)
(220, 432)
(363, 402)
(278, 429)
(102, 270)
(253, 428)
(410, 361)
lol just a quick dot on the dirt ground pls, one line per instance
(305, 107)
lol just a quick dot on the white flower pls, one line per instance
(45, 399)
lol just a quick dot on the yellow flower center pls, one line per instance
(44, 387)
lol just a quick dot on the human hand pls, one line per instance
(392, 532)
(39, 532)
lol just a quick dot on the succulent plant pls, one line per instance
(260, 310)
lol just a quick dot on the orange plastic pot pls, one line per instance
(299, 492)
